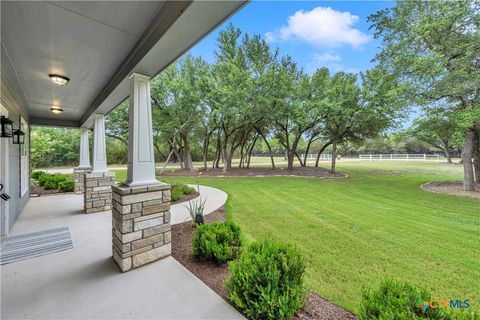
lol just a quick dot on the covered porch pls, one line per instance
(68, 64)
(85, 283)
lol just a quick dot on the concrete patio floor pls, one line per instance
(84, 282)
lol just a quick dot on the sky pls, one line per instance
(332, 34)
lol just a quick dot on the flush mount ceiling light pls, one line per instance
(59, 80)
(56, 110)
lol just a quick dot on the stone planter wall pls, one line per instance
(78, 179)
(141, 225)
(98, 191)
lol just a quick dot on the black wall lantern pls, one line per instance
(18, 137)
(6, 127)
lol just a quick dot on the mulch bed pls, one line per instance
(213, 275)
(453, 188)
(252, 172)
(40, 192)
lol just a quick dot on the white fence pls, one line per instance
(313, 156)
(407, 157)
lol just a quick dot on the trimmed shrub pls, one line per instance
(267, 281)
(53, 181)
(49, 184)
(187, 189)
(36, 174)
(178, 190)
(398, 300)
(66, 186)
(176, 194)
(43, 178)
(217, 241)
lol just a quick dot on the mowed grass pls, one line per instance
(376, 224)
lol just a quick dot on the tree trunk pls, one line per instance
(187, 155)
(188, 158)
(302, 163)
(227, 161)
(334, 156)
(312, 138)
(242, 155)
(178, 157)
(216, 162)
(269, 149)
(467, 152)
(290, 158)
(251, 150)
(446, 150)
(321, 151)
(476, 157)
(206, 143)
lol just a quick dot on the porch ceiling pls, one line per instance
(97, 45)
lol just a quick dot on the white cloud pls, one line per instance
(325, 57)
(322, 27)
(329, 60)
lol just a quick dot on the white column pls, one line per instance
(99, 147)
(84, 149)
(141, 162)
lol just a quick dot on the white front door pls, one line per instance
(4, 143)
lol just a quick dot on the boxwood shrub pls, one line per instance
(266, 282)
(66, 186)
(36, 174)
(178, 190)
(54, 181)
(217, 241)
(398, 300)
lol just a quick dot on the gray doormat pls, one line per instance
(34, 244)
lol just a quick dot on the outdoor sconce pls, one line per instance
(18, 137)
(59, 80)
(6, 127)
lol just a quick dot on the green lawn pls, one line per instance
(355, 232)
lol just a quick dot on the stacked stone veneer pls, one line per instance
(98, 191)
(78, 174)
(141, 224)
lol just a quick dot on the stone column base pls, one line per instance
(78, 178)
(141, 225)
(98, 191)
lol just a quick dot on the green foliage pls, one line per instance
(54, 181)
(43, 178)
(66, 186)
(176, 194)
(217, 241)
(54, 147)
(267, 281)
(178, 190)
(187, 189)
(36, 174)
(398, 300)
(50, 184)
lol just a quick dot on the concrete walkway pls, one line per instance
(84, 282)
(215, 199)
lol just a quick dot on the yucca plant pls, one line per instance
(196, 210)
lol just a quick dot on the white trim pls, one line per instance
(4, 177)
(24, 159)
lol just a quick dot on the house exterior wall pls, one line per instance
(18, 191)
